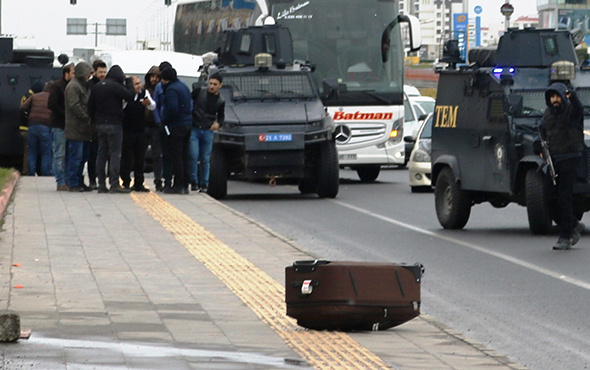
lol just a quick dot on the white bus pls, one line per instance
(354, 44)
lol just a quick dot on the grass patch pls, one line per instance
(5, 176)
(430, 91)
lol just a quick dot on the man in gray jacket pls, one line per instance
(78, 125)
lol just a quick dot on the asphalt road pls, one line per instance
(494, 281)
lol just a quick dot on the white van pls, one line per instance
(139, 62)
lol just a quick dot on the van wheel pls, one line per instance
(453, 205)
(368, 173)
(328, 175)
(218, 173)
(538, 205)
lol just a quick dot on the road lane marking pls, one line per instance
(505, 257)
(322, 349)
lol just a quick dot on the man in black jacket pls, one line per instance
(100, 72)
(105, 106)
(563, 123)
(135, 137)
(57, 106)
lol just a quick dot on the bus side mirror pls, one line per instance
(514, 104)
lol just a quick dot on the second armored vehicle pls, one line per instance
(276, 126)
(485, 124)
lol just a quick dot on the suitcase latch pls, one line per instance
(307, 287)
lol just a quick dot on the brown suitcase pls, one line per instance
(327, 295)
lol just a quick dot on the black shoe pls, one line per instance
(577, 232)
(102, 190)
(119, 190)
(203, 189)
(175, 190)
(93, 186)
(141, 189)
(185, 191)
(194, 186)
(158, 185)
(563, 244)
(85, 187)
(76, 189)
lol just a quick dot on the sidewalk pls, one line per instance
(158, 281)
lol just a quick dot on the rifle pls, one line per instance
(547, 156)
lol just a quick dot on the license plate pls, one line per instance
(347, 157)
(273, 138)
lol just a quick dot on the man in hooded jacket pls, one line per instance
(106, 109)
(78, 128)
(563, 125)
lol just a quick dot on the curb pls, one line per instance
(7, 193)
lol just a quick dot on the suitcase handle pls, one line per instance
(417, 269)
(306, 266)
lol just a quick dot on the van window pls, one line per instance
(408, 111)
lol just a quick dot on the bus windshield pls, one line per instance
(355, 43)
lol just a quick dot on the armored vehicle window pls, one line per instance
(533, 102)
(245, 44)
(270, 85)
(550, 45)
(270, 43)
(584, 96)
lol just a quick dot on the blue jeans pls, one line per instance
(59, 155)
(78, 152)
(200, 153)
(40, 141)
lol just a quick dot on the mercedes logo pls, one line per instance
(343, 134)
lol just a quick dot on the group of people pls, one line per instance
(104, 121)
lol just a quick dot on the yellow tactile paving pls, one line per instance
(322, 349)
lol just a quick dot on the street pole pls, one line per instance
(507, 21)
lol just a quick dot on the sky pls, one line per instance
(42, 23)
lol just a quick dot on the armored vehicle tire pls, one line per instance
(453, 205)
(537, 203)
(328, 175)
(368, 173)
(308, 185)
(218, 173)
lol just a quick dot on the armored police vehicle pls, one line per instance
(485, 124)
(276, 128)
(19, 68)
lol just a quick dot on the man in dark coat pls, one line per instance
(563, 124)
(135, 137)
(178, 121)
(78, 125)
(56, 104)
(100, 72)
(106, 109)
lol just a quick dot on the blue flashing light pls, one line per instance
(498, 70)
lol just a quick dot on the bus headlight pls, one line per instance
(397, 132)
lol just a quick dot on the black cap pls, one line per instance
(168, 74)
